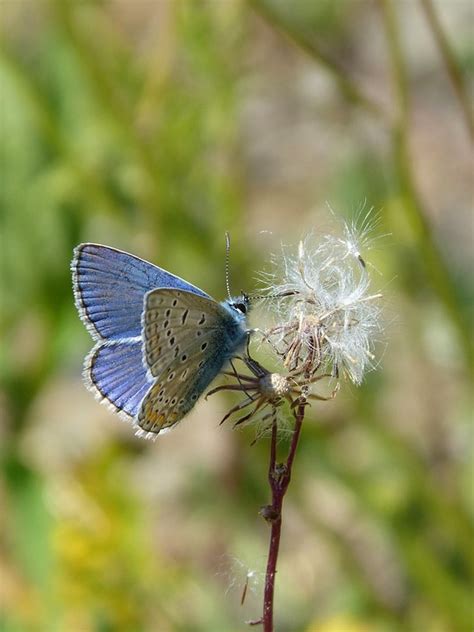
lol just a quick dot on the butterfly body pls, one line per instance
(160, 341)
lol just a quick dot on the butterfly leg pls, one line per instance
(259, 404)
(253, 365)
(225, 387)
(248, 356)
(247, 346)
(246, 402)
(238, 378)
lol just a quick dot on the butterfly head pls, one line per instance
(239, 305)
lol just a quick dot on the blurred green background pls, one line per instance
(154, 126)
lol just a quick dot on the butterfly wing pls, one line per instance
(109, 287)
(114, 372)
(187, 340)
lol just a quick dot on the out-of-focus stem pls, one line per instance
(349, 89)
(450, 61)
(435, 266)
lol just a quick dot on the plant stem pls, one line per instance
(435, 266)
(349, 88)
(269, 593)
(279, 476)
(452, 66)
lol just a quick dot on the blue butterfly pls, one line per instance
(160, 341)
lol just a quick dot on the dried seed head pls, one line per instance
(274, 386)
(327, 316)
(326, 322)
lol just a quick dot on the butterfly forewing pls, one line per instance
(109, 286)
(187, 339)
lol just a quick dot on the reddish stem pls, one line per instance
(279, 476)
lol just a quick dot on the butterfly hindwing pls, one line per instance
(109, 287)
(114, 372)
(187, 340)
(166, 403)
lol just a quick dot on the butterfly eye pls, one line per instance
(241, 307)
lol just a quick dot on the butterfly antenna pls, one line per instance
(227, 252)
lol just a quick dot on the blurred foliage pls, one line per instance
(154, 127)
